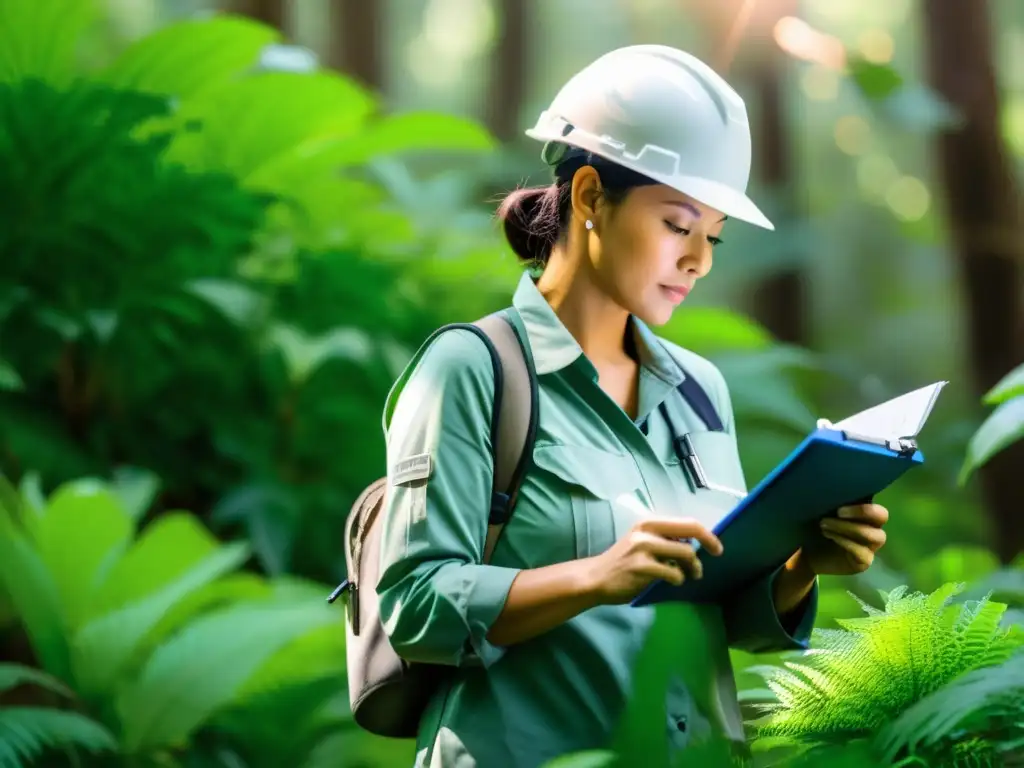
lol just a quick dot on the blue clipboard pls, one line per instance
(828, 470)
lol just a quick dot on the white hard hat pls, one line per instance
(664, 114)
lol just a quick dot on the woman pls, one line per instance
(651, 155)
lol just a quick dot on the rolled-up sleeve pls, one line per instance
(437, 600)
(752, 622)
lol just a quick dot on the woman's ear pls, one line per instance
(586, 194)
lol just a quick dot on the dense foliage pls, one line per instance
(215, 256)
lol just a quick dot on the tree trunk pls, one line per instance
(356, 44)
(273, 13)
(508, 73)
(779, 301)
(982, 202)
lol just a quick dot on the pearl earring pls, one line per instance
(590, 224)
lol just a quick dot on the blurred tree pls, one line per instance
(982, 200)
(273, 13)
(778, 300)
(508, 69)
(356, 45)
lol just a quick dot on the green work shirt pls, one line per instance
(595, 473)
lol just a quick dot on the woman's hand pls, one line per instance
(848, 543)
(651, 550)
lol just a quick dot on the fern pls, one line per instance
(995, 693)
(26, 732)
(862, 677)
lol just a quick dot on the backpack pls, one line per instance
(387, 694)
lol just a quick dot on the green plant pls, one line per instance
(858, 679)
(1003, 426)
(26, 732)
(161, 634)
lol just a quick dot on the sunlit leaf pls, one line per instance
(9, 378)
(135, 488)
(42, 37)
(1009, 387)
(166, 549)
(1004, 426)
(191, 57)
(82, 533)
(876, 81)
(708, 330)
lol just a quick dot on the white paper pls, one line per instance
(903, 416)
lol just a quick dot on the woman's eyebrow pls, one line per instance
(692, 209)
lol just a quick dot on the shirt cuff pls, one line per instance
(753, 624)
(484, 603)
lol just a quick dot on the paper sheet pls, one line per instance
(903, 416)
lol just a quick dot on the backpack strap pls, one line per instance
(514, 415)
(514, 430)
(695, 396)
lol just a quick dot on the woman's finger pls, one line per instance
(676, 552)
(666, 571)
(859, 553)
(873, 514)
(869, 535)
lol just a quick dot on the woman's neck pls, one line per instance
(596, 322)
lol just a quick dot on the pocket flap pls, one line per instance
(602, 473)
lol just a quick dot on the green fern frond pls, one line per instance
(860, 678)
(13, 675)
(27, 732)
(934, 718)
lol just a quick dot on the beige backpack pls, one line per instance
(388, 694)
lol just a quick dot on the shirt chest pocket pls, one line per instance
(596, 496)
(719, 459)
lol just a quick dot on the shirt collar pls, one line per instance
(554, 348)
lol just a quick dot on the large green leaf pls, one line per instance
(168, 548)
(304, 354)
(40, 39)
(33, 593)
(1009, 387)
(409, 132)
(105, 647)
(1005, 425)
(262, 118)
(202, 668)
(28, 732)
(82, 533)
(191, 57)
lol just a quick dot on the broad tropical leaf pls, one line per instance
(1005, 425)
(191, 57)
(35, 599)
(41, 38)
(82, 532)
(28, 732)
(105, 647)
(201, 669)
(1009, 387)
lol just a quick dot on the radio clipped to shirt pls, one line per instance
(836, 465)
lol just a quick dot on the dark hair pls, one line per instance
(535, 218)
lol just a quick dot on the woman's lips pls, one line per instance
(675, 293)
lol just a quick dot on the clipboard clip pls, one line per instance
(904, 446)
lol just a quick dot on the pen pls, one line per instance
(689, 457)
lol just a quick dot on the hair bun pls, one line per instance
(530, 220)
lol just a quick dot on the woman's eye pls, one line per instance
(714, 240)
(677, 230)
